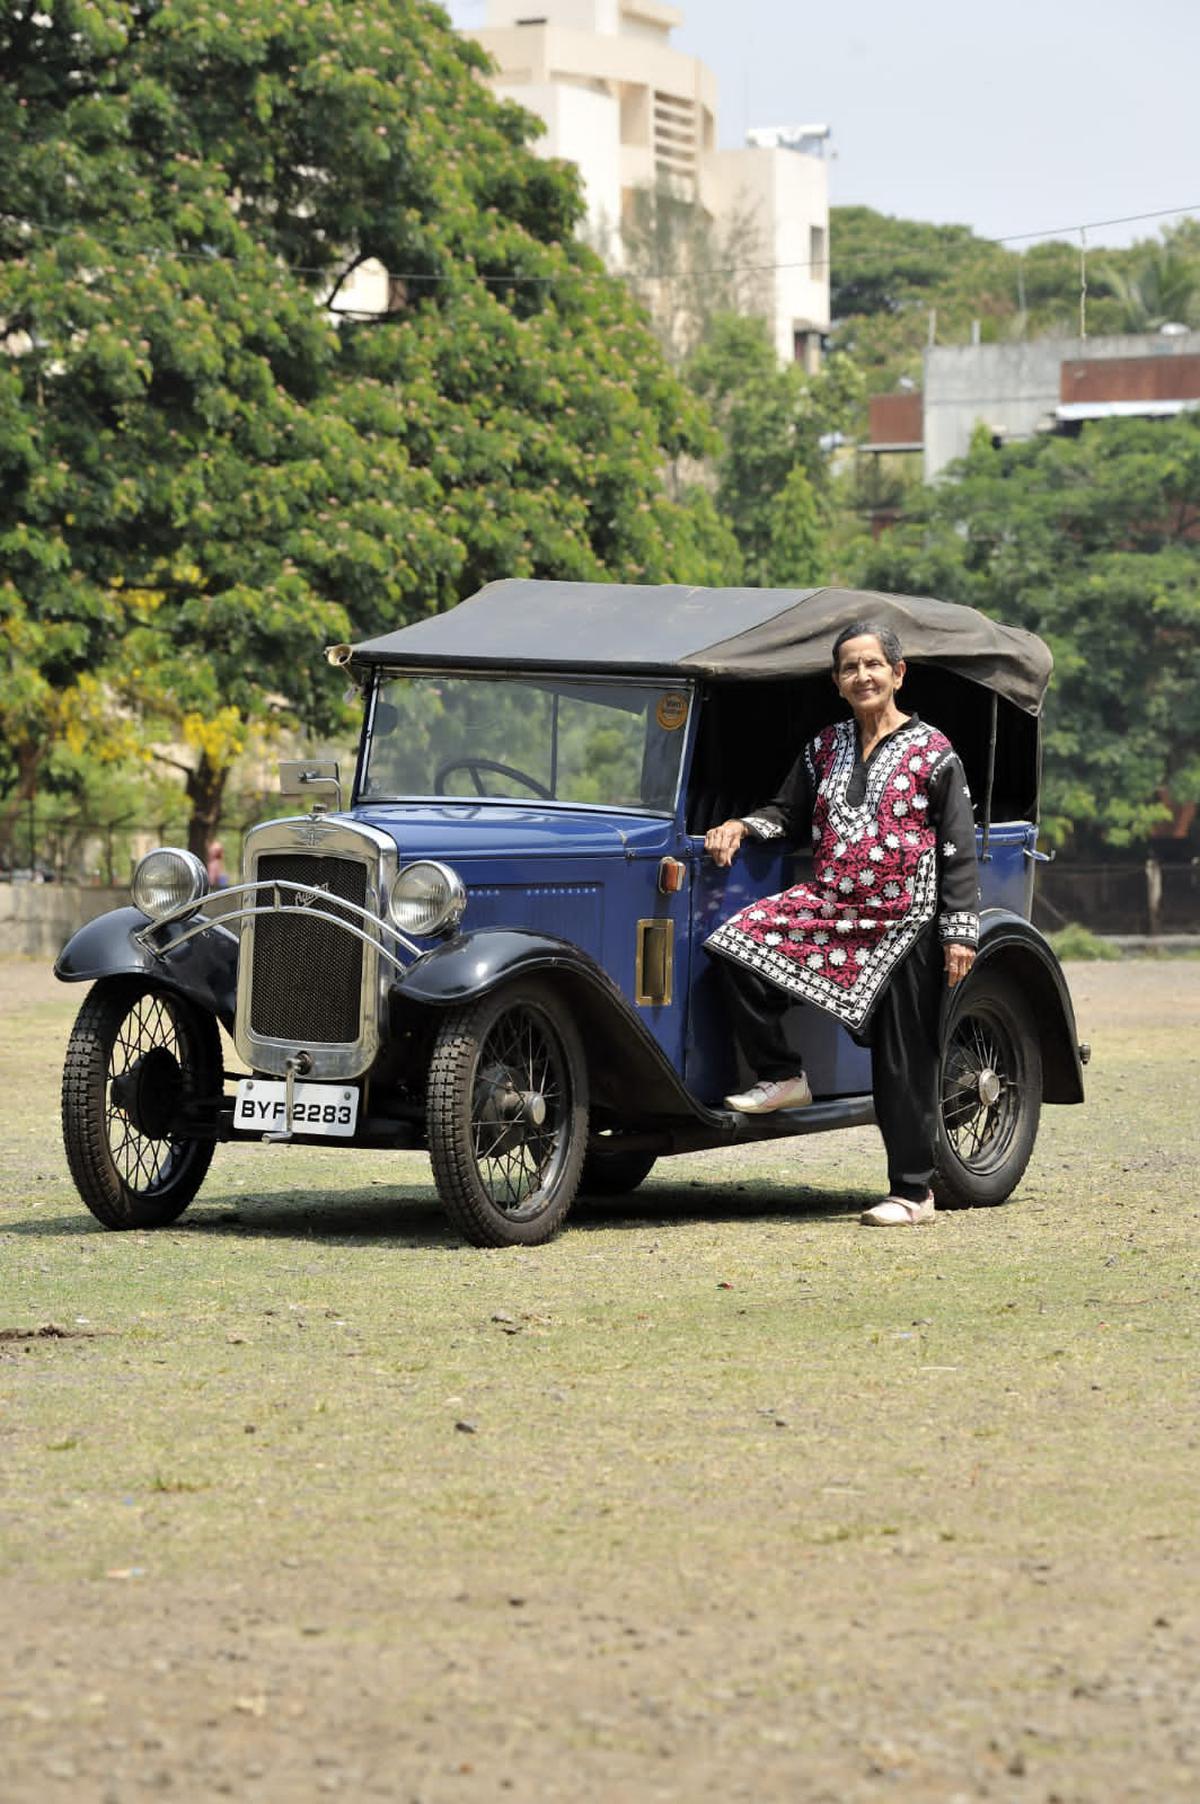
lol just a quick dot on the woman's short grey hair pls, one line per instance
(860, 629)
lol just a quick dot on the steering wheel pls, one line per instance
(476, 765)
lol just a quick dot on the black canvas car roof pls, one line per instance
(665, 629)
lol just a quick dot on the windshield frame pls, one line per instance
(662, 681)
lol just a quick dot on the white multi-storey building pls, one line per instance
(633, 112)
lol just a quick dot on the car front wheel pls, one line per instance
(137, 1059)
(506, 1116)
(991, 1094)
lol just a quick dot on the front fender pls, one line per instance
(471, 964)
(1010, 944)
(203, 968)
(629, 1074)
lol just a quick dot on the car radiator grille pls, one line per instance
(307, 976)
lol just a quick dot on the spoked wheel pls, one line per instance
(137, 1058)
(991, 1095)
(506, 1116)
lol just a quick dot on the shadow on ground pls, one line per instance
(416, 1221)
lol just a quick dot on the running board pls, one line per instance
(817, 1118)
(724, 1127)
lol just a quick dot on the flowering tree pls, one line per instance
(207, 474)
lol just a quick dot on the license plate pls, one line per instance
(328, 1110)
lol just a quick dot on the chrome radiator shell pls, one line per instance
(306, 981)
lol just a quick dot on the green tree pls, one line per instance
(776, 425)
(206, 475)
(1094, 543)
(1163, 288)
(898, 283)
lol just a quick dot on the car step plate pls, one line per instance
(329, 1111)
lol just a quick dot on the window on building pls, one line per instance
(816, 252)
(806, 348)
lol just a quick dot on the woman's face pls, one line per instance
(864, 677)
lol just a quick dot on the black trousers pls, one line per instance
(903, 1034)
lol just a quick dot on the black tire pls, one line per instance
(506, 1178)
(991, 1094)
(136, 1055)
(614, 1173)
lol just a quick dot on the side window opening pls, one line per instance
(751, 733)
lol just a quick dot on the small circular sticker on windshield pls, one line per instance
(671, 711)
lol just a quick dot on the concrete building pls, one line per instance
(1016, 391)
(1051, 385)
(633, 112)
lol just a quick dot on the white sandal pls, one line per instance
(898, 1212)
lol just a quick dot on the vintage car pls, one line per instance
(494, 949)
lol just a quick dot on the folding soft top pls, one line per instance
(524, 624)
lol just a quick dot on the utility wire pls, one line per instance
(517, 281)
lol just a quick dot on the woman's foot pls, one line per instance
(899, 1212)
(770, 1094)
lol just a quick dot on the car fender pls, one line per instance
(1012, 946)
(628, 1070)
(203, 968)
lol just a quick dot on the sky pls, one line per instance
(1024, 117)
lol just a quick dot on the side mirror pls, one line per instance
(298, 777)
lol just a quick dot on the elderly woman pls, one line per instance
(892, 913)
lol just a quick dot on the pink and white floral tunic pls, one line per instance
(893, 847)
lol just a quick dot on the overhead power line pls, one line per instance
(428, 277)
(1093, 225)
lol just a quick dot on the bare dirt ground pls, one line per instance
(718, 1496)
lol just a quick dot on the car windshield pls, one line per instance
(603, 744)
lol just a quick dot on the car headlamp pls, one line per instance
(166, 879)
(427, 898)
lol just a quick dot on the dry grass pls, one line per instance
(716, 1496)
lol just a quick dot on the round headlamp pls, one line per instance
(166, 879)
(427, 898)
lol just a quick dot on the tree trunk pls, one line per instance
(28, 756)
(205, 791)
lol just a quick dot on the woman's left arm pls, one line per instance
(958, 890)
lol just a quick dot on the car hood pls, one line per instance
(464, 830)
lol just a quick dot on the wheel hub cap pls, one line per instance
(989, 1087)
(511, 1112)
(150, 1092)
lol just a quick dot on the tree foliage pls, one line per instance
(777, 426)
(1161, 289)
(1094, 543)
(895, 284)
(206, 476)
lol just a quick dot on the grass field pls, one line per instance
(718, 1496)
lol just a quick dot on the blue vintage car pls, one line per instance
(493, 948)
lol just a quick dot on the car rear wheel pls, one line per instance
(506, 1116)
(614, 1173)
(137, 1057)
(991, 1095)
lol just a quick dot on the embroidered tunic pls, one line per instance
(893, 846)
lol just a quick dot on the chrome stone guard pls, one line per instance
(253, 892)
(297, 1065)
